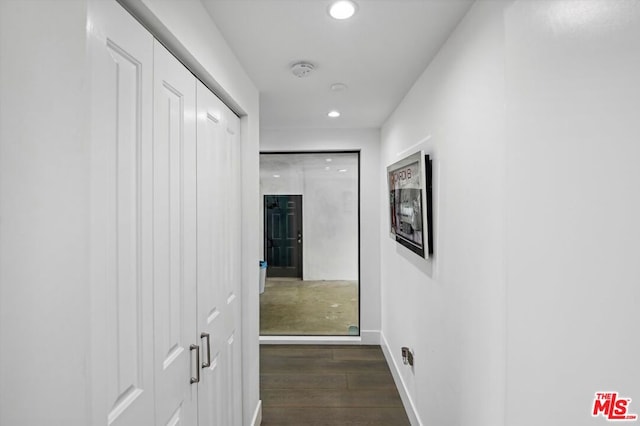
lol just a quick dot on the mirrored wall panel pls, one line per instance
(310, 209)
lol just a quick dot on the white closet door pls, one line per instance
(174, 232)
(121, 251)
(219, 393)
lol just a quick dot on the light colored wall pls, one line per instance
(43, 212)
(44, 215)
(367, 141)
(573, 205)
(329, 213)
(331, 209)
(530, 303)
(44, 173)
(450, 308)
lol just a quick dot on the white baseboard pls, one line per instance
(257, 415)
(367, 337)
(309, 340)
(409, 406)
(370, 337)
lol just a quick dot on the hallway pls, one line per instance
(131, 219)
(328, 385)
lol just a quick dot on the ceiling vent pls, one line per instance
(302, 69)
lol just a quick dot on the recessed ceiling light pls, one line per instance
(329, 160)
(334, 114)
(343, 9)
(342, 170)
(327, 168)
(276, 176)
(338, 87)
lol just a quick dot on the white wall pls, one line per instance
(530, 303)
(329, 209)
(573, 204)
(44, 198)
(44, 216)
(450, 308)
(367, 141)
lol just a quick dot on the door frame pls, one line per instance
(300, 266)
(357, 152)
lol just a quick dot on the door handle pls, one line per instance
(197, 349)
(207, 336)
(299, 237)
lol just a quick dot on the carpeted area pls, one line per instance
(292, 307)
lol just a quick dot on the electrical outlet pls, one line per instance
(407, 356)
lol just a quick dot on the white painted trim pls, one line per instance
(257, 415)
(367, 337)
(370, 337)
(310, 340)
(409, 406)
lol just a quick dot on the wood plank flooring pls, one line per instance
(328, 385)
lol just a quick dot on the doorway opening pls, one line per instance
(311, 211)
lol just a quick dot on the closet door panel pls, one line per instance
(122, 329)
(210, 128)
(219, 393)
(174, 204)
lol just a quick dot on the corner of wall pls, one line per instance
(405, 396)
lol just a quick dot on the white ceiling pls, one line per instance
(378, 54)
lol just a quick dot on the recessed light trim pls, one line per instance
(276, 176)
(342, 9)
(338, 87)
(342, 170)
(333, 114)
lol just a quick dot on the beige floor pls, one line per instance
(291, 307)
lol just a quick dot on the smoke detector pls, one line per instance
(302, 69)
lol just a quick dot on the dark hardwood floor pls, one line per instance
(328, 385)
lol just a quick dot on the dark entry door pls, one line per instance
(283, 235)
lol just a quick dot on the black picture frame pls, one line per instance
(410, 203)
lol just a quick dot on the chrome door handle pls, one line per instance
(197, 349)
(208, 337)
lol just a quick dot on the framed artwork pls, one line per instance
(410, 210)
